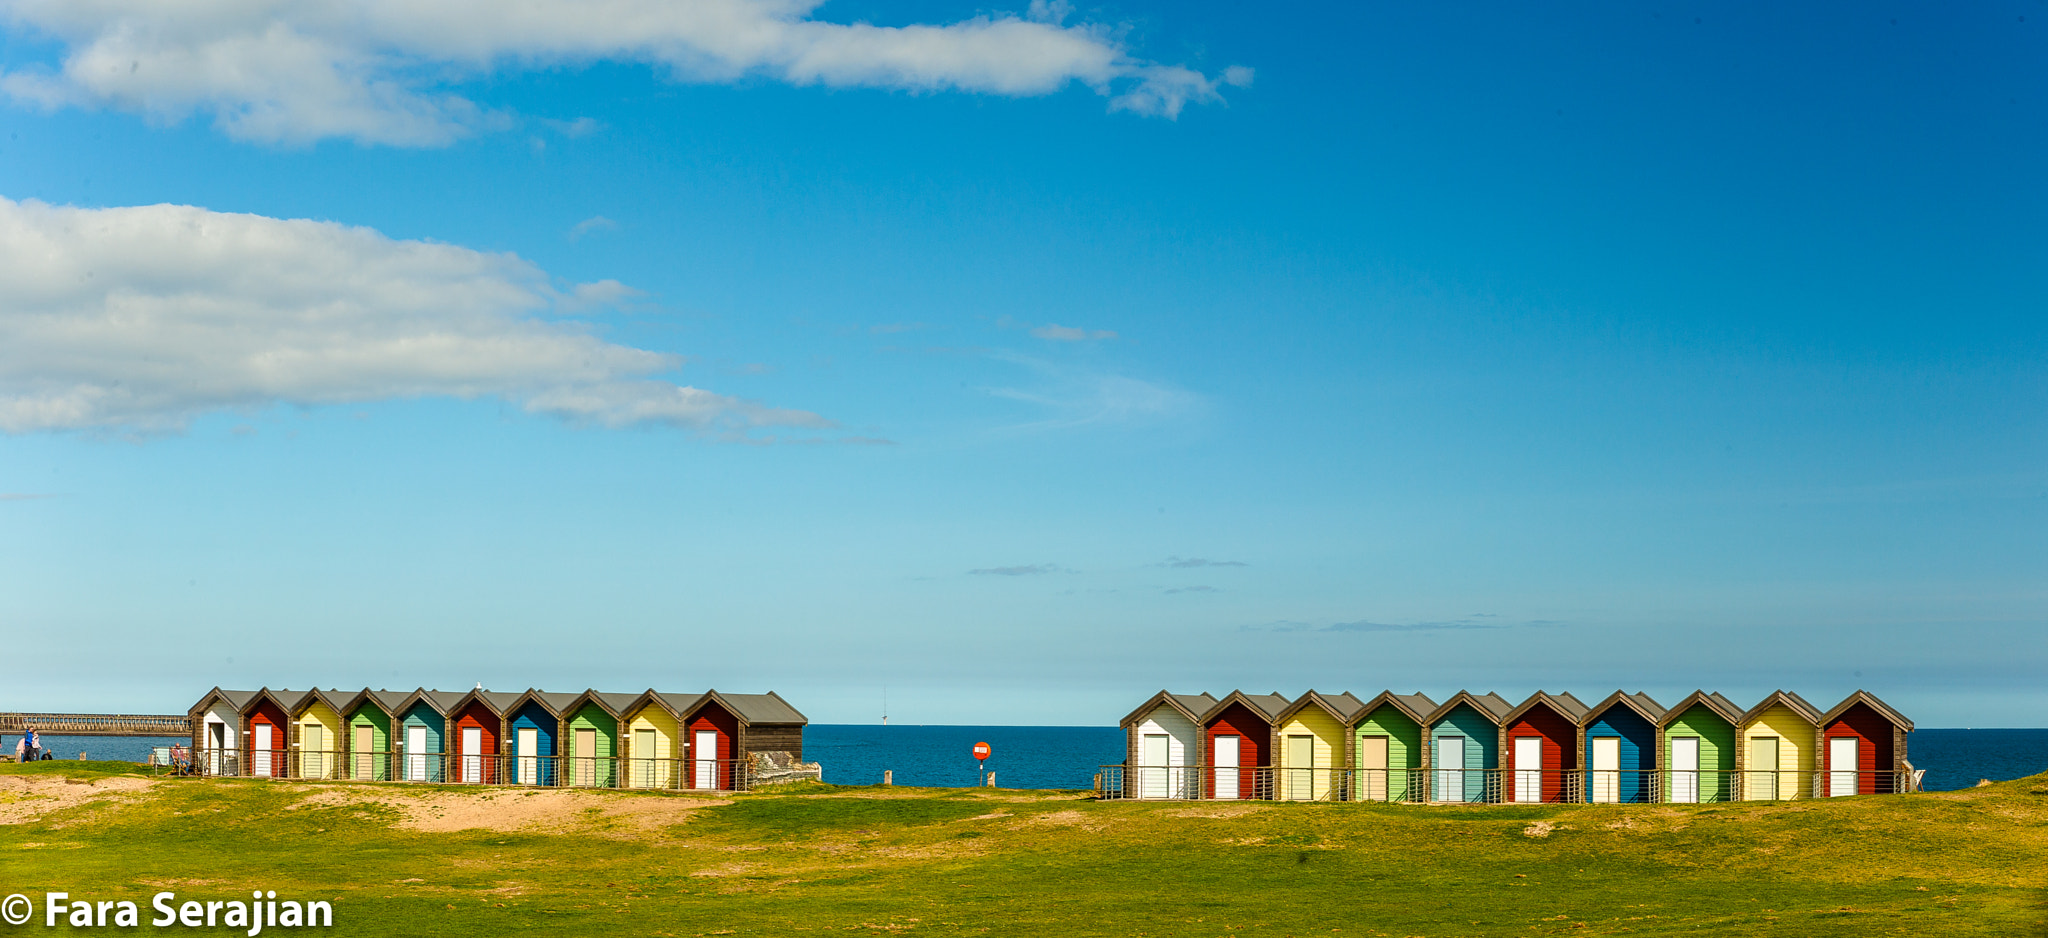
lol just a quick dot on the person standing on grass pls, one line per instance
(31, 742)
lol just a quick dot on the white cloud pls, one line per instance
(140, 319)
(379, 71)
(1059, 333)
(588, 225)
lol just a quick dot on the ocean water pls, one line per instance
(1068, 756)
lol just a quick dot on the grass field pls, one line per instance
(400, 860)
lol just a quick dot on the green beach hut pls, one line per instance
(1386, 745)
(591, 739)
(1697, 737)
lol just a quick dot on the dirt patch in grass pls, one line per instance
(26, 798)
(1218, 812)
(558, 811)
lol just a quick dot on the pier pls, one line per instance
(97, 724)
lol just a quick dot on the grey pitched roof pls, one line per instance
(1192, 706)
(1868, 699)
(1417, 706)
(1792, 701)
(556, 700)
(1490, 705)
(1644, 705)
(680, 702)
(1563, 704)
(763, 708)
(616, 701)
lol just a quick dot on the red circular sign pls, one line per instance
(981, 750)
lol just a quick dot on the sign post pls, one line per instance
(981, 754)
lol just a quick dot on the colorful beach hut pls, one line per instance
(1699, 749)
(1776, 756)
(1162, 742)
(1618, 737)
(590, 739)
(316, 734)
(217, 730)
(367, 717)
(1864, 742)
(653, 739)
(721, 729)
(266, 734)
(1386, 746)
(1540, 744)
(533, 725)
(1309, 734)
(1464, 756)
(476, 720)
(1237, 744)
(422, 724)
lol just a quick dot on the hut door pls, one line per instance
(1685, 769)
(312, 751)
(262, 747)
(529, 747)
(416, 753)
(1301, 768)
(217, 740)
(1842, 766)
(472, 754)
(366, 742)
(643, 758)
(707, 759)
(1606, 767)
(1372, 764)
(1450, 773)
(1226, 767)
(1152, 759)
(586, 756)
(1528, 768)
(1763, 768)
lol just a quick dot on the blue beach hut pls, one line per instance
(1619, 737)
(1464, 751)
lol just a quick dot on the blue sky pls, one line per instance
(1024, 361)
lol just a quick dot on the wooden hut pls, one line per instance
(476, 721)
(1387, 746)
(1699, 748)
(533, 727)
(1464, 756)
(1776, 757)
(722, 729)
(1162, 741)
(1864, 742)
(1618, 737)
(422, 744)
(652, 739)
(1539, 742)
(266, 734)
(1309, 736)
(590, 738)
(217, 730)
(368, 717)
(316, 739)
(1237, 745)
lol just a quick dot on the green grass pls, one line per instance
(924, 861)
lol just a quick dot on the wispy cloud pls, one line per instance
(1059, 333)
(387, 72)
(25, 496)
(1034, 569)
(1466, 624)
(1193, 589)
(1186, 563)
(594, 223)
(1078, 398)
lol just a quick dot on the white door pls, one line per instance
(643, 758)
(1153, 751)
(262, 747)
(217, 743)
(312, 751)
(1606, 759)
(1301, 768)
(1528, 768)
(472, 754)
(1226, 767)
(1842, 766)
(1372, 764)
(529, 749)
(586, 756)
(1763, 768)
(1685, 769)
(416, 753)
(1450, 768)
(707, 759)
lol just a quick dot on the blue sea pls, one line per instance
(1068, 756)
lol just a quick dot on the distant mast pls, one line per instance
(885, 705)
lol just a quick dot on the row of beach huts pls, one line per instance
(1627, 748)
(652, 739)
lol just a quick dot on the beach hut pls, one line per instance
(368, 716)
(266, 734)
(1619, 740)
(1699, 748)
(422, 724)
(1237, 745)
(1162, 741)
(1387, 747)
(217, 731)
(721, 729)
(1539, 742)
(476, 720)
(1464, 756)
(590, 739)
(1776, 756)
(1309, 734)
(1864, 742)
(533, 723)
(316, 737)
(652, 739)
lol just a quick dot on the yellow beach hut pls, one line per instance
(317, 734)
(1775, 758)
(651, 727)
(1309, 735)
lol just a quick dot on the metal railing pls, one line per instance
(492, 769)
(1257, 783)
(1485, 786)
